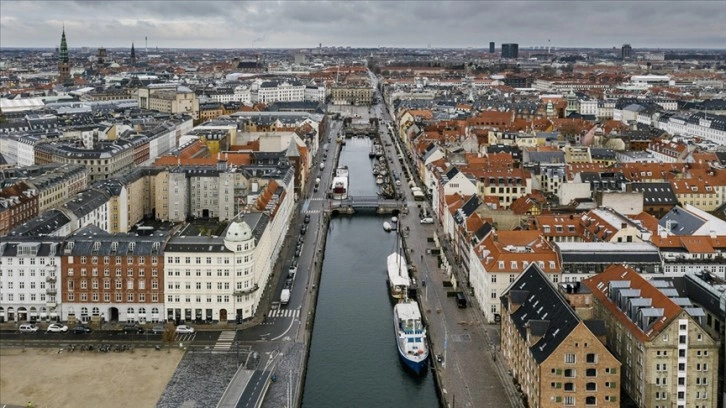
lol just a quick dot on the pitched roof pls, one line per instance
(639, 306)
(543, 309)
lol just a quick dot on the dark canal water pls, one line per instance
(353, 358)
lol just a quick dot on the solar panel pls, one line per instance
(652, 312)
(682, 302)
(670, 292)
(695, 311)
(660, 283)
(640, 302)
(630, 293)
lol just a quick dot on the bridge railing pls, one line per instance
(359, 201)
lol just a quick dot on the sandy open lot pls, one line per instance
(85, 379)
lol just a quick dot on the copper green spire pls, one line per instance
(63, 47)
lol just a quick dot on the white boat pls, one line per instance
(410, 336)
(387, 227)
(340, 183)
(394, 220)
(398, 279)
(379, 179)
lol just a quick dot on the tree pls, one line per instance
(169, 335)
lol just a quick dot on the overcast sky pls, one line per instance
(303, 24)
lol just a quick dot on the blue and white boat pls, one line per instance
(410, 336)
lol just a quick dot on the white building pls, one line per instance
(218, 278)
(274, 91)
(29, 273)
(315, 93)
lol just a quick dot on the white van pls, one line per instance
(427, 220)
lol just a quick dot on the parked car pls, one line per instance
(81, 330)
(307, 218)
(427, 220)
(28, 328)
(184, 329)
(132, 329)
(57, 328)
(304, 229)
(157, 329)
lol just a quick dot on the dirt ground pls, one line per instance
(85, 379)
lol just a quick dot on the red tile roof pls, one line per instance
(600, 285)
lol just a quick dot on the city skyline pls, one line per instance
(231, 24)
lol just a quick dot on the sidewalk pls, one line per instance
(469, 347)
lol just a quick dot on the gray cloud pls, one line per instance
(227, 24)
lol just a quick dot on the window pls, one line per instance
(570, 400)
(591, 358)
(590, 400)
(570, 372)
(591, 386)
(569, 387)
(569, 358)
(591, 372)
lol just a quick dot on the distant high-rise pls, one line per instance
(491, 47)
(133, 55)
(64, 68)
(626, 52)
(510, 50)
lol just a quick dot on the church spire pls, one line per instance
(64, 68)
(63, 47)
(133, 54)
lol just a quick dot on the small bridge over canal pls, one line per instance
(366, 203)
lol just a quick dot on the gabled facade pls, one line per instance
(668, 359)
(554, 355)
(501, 257)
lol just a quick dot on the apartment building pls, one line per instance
(29, 272)
(504, 186)
(169, 98)
(278, 91)
(18, 203)
(557, 358)
(219, 279)
(113, 277)
(668, 359)
(500, 258)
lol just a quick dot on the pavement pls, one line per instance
(199, 381)
(472, 372)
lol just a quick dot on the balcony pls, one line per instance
(242, 292)
(50, 305)
(51, 292)
(50, 278)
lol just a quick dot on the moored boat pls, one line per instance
(340, 183)
(410, 336)
(387, 227)
(398, 279)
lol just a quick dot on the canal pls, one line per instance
(353, 359)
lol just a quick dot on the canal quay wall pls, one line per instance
(312, 290)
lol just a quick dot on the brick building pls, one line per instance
(113, 277)
(557, 358)
(668, 359)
